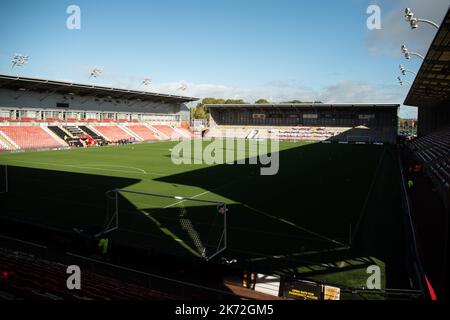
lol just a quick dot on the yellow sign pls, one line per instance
(332, 293)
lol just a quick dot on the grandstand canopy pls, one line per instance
(305, 106)
(41, 85)
(431, 86)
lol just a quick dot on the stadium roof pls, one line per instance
(41, 85)
(307, 106)
(432, 84)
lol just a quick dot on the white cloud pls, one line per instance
(341, 92)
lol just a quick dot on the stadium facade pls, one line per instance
(29, 99)
(317, 122)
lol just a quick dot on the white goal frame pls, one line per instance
(113, 223)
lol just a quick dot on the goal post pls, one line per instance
(4, 185)
(199, 226)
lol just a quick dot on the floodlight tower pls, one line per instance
(402, 82)
(95, 73)
(408, 54)
(19, 60)
(146, 82)
(404, 71)
(414, 22)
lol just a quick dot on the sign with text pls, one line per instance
(302, 290)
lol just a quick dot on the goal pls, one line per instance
(198, 226)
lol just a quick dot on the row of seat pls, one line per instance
(28, 137)
(280, 133)
(31, 137)
(433, 151)
(112, 133)
(30, 277)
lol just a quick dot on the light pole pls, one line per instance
(19, 60)
(402, 82)
(414, 22)
(408, 54)
(95, 73)
(146, 82)
(404, 71)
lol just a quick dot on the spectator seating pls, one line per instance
(112, 133)
(169, 132)
(34, 278)
(144, 132)
(433, 152)
(18, 136)
(186, 132)
(278, 133)
(31, 137)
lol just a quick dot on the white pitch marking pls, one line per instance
(87, 167)
(196, 196)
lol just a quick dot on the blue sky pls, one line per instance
(274, 49)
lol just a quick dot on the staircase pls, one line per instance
(100, 140)
(65, 136)
(5, 144)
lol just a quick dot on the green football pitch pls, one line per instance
(331, 211)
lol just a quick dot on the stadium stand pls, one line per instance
(6, 144)
(17, 135)
(433, 152)
(168, 132)
(428, 159)
(74, 131)
(311, 122)
(31, 137)
(112, 133)
(26, 275)
(186, 132)
(99, 139)
(144, 132)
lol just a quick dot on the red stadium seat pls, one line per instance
(31, 137)
(112, 133)
(187, 132)
(144, 132)
(168, 131)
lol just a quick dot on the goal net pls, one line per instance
(198, 226)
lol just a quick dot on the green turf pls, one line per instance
(297, 221)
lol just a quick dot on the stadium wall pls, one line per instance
(36, 100)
